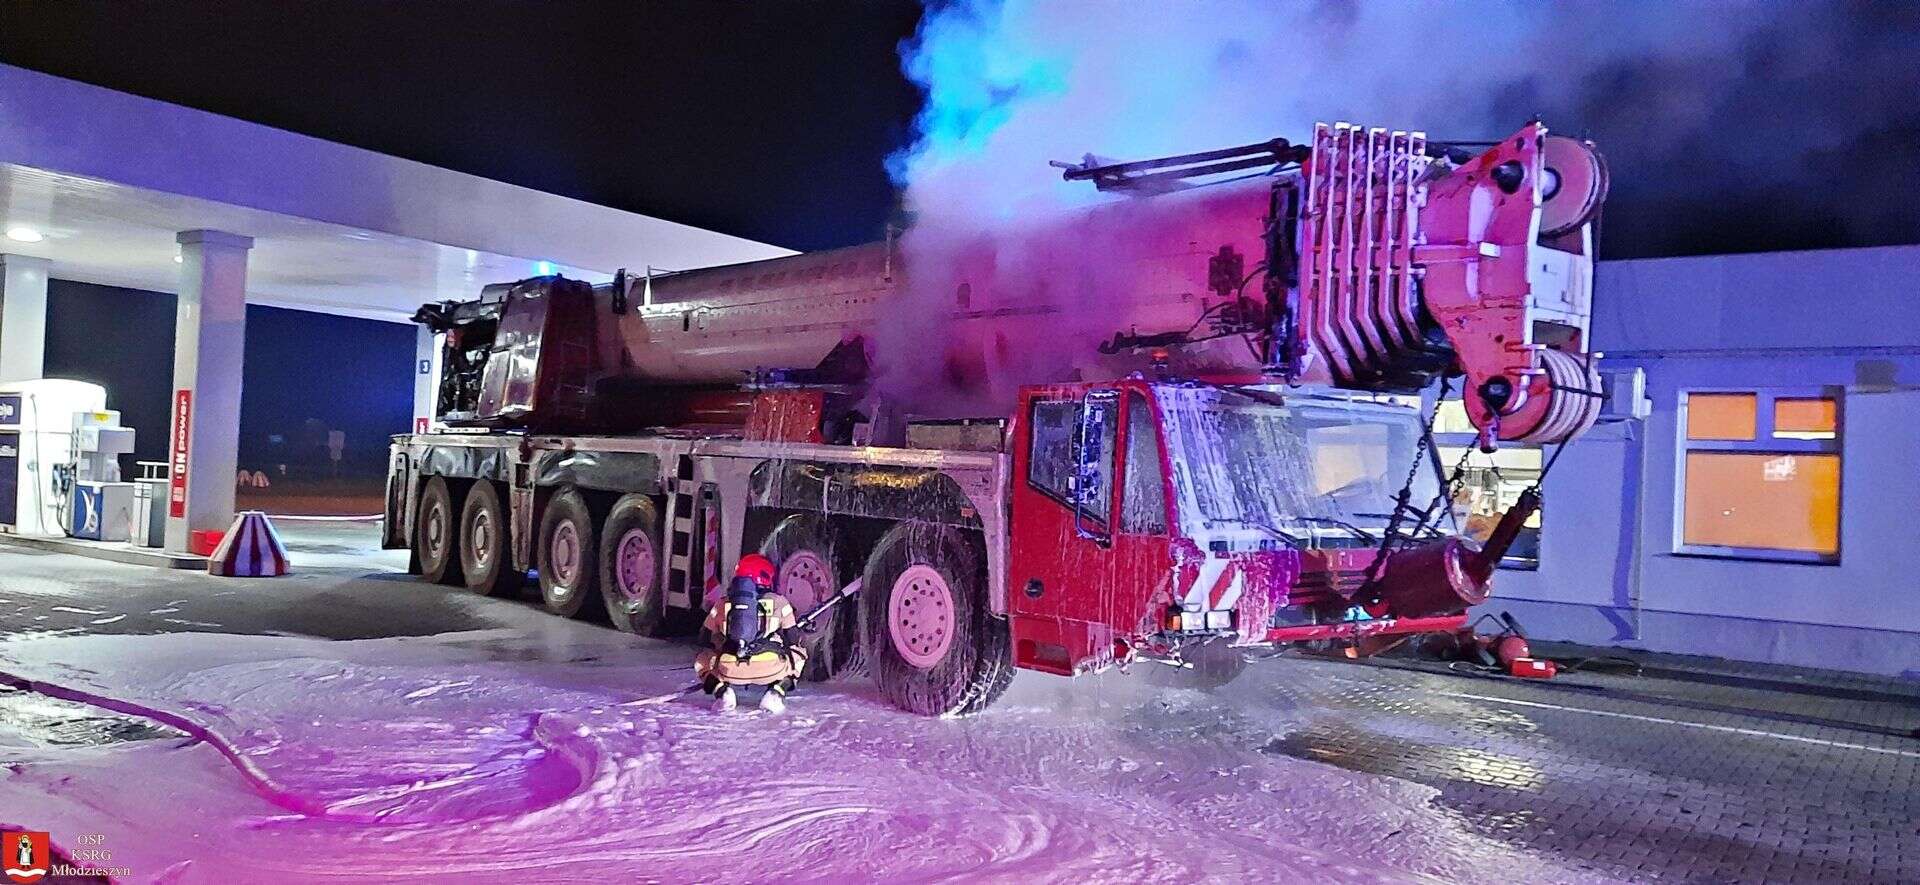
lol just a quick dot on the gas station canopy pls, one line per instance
(100, 183)
(97, 186)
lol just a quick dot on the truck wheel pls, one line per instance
(990, 691)
(569, 566)
(435, 531)
(484, 555)
(1206, 666)
(931, 640)
(630, 568)
(808, 575)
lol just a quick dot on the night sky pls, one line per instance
(763, 120)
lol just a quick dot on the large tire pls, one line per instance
(436, 531)
(567, 556)
(630, 582)
(808, 573)
(1205, 666)
(930, 638)
(486, 557)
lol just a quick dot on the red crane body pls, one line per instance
(1161, 477)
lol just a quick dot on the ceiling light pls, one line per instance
(24, 234)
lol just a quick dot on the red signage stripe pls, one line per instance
(177, 457)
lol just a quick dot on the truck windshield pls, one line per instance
(1322, 469)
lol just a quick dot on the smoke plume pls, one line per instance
(1736, 125)
(1711, 110)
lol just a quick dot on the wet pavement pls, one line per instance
(30, 719)
(1638, 778)
(343, 587)
(1659, 772)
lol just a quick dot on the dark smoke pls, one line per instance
(1803, 133)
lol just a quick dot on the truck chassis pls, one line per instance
(645, 525)
(630, 441)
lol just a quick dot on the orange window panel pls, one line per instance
(1764, 501)
(1721, 415)
(1805, 418)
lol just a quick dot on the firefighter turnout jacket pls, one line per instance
(781, 658)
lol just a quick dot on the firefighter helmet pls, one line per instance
(757, 567)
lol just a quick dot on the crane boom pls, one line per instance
(1132, 475)
(1381, 262)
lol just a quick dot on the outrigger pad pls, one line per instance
(251, 549)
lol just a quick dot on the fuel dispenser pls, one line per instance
(99, 506)
(59, 461)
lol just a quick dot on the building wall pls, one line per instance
(1608, 572)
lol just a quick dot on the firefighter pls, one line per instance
(751, 639)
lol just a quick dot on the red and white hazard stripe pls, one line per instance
(710, 544)
(251, 549)
(1217, 587)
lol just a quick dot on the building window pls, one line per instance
(1759, 474)
(1725, 416)
(1806, 418)
(1489, 484)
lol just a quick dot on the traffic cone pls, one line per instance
(251, 549)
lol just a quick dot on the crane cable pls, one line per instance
(1403, 500)
(1391, 535)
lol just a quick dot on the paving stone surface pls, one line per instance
(1760, 779)
(1656, 769)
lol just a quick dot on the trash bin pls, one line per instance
(150, 505)
(201, 542)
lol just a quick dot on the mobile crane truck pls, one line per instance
(1210, 459)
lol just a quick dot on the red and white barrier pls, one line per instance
(251, 549)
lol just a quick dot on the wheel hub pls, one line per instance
(920, 616)
(564, 557)
(436, 528)
(634, 566)
(805, 581)
(482, 537)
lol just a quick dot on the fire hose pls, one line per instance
(759, 645)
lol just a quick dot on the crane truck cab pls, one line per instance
(1157, 520)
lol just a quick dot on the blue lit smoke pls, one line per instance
(1713, 108)
(983, 76)
(1732, 125)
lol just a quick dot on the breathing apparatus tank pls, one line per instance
(743, 613)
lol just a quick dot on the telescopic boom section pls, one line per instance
(1403, 251)
(1367, 259)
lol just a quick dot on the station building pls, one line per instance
(1764, 509)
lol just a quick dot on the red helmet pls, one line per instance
(757, 567)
